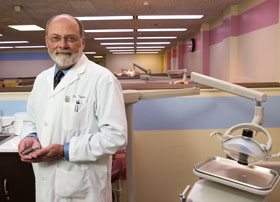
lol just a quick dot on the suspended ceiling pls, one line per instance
(39, 11)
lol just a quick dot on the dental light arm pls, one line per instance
(228, 87)
(236, 90)
(180, 71)
(141, 68)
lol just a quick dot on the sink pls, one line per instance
(4, 137)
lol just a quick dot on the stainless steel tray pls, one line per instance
(254, 179)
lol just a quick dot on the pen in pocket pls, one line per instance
(77, 106)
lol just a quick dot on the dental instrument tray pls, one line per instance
(250, 178)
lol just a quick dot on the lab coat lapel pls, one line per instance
(50, 80)
(72, 75)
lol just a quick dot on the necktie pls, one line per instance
(57, 78)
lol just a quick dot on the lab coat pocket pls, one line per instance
(75, 116)
(71, 183)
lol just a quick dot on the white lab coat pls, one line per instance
(87, 110)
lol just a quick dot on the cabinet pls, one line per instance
(17, 179)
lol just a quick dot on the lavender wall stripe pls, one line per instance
(24, 56)
(194, 113)
(261, 16)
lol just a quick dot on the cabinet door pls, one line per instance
(1, 181)
(17, 179)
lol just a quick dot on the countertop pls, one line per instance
(11, 145)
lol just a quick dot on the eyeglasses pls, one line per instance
(71, 39)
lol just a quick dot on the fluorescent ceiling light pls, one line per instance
(152, 43)
(30, 46)
(150, 47)
(112, 44)
(158, 37)
(162, 30)
(124, 53)
(90, 53)
(98, 56)
(105, 18)
(108, 30)
(168, 17)
(120, 47)
(26, 27)
(113, 38)
(129, 50)
(6, 47)
(146, 52)
(9, 42)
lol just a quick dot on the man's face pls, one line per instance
(65, 45)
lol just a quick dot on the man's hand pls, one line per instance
(50, 153)
(26, 143)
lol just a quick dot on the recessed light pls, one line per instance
(90, 53)
(158, 37)
(113, 38)
(108, 30)
(85, 18)
(150, 47)
(26, 27)
(162, 30)
(9, 42)
(146, 52)
(30, 46)
(120, 47)
(169, 17)
(112, 44)
(152, 43)
(6, 47)
(129, 50)
(124, 53)
(1, 34)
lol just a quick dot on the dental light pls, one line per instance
(243, 148)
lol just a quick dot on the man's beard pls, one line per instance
(66, 60)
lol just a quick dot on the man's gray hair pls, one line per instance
(81, 27)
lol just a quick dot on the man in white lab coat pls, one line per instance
(77, 125)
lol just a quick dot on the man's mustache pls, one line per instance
(59, 51)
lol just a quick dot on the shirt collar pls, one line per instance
(56, 69)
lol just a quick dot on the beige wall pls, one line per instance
(219, 60)
(149, 61)
(258, 56)
(192, 62)
(164, 161)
